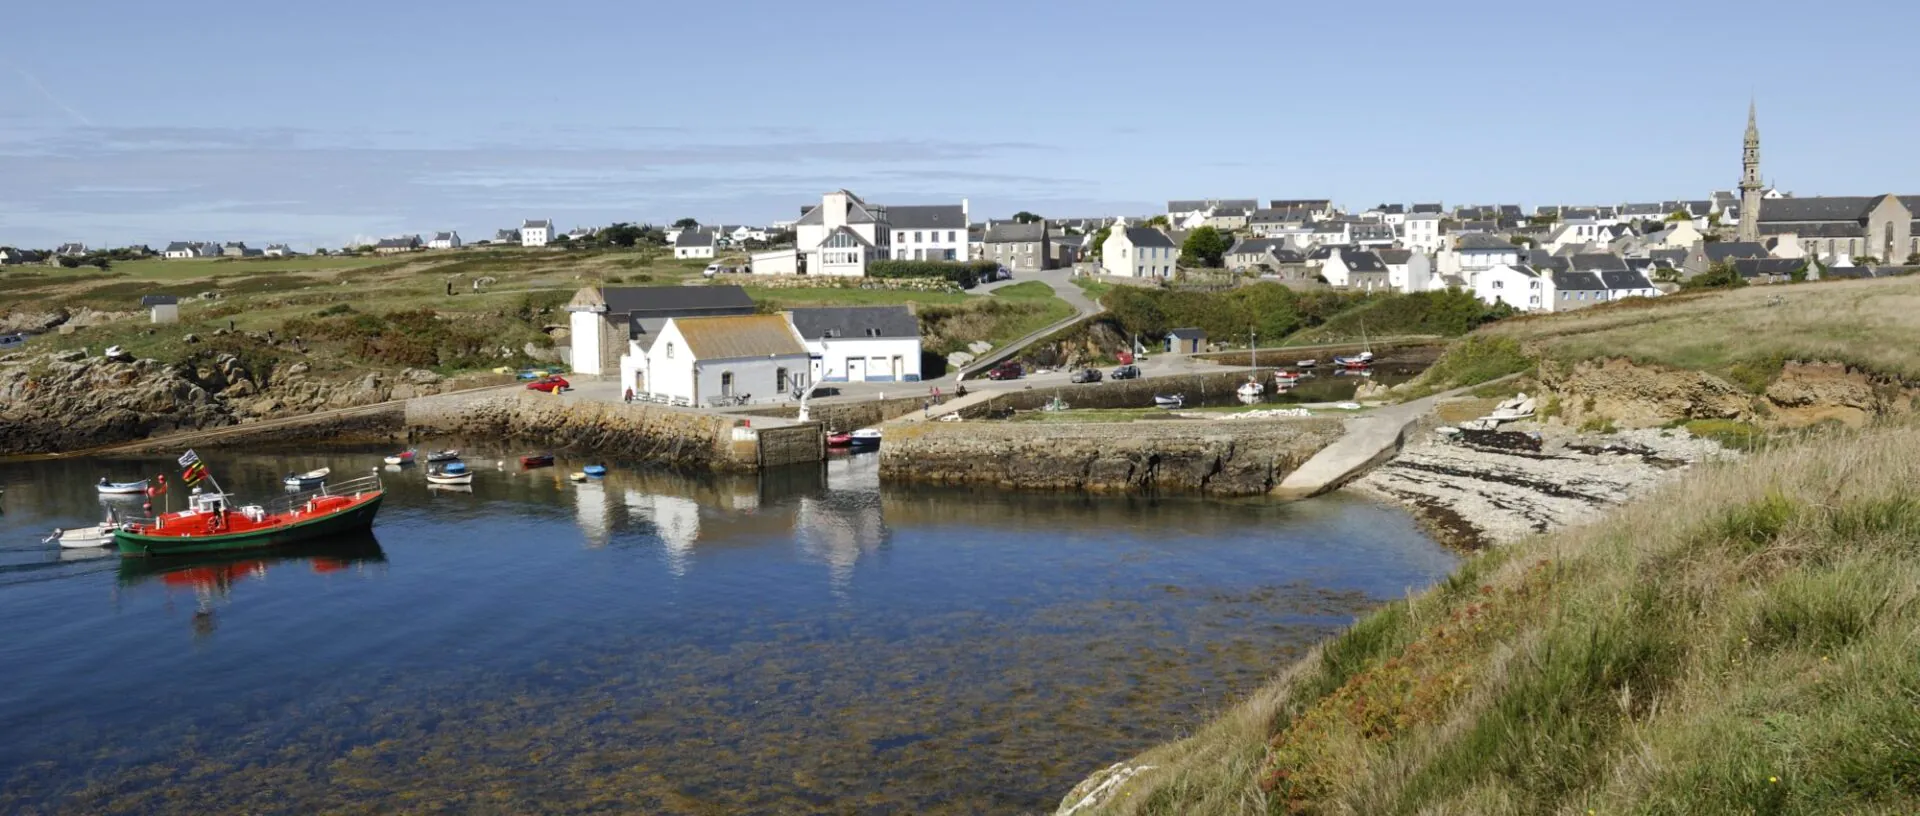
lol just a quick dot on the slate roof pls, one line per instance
(1394, 257)
(181, 246)
(1372, 232)
(1483, 241)
(1772, 267)
(1813, 229)
(1188, 333)
(403, 242)
(1301, 204)
(928, 216)
(1823, 208)
(1275, 247)
(1649, 208)
(1013, 232)
(1574, 280)
(1597, 262)
(1474, 213)
(1191, 205)
(543, 223)
(159, 300)
(1148, 237)
(1392, 209)
(856, 321)
(1674, 257)
(1845, 273)
(1427, 208)
(1478, 225)
(438, 236)
(737, 336)
(1510, 211)
(676, 301)
(1231, 212)
(506, 235)
(1551, 263)
(694, 238)
(1625, 279)
(857, 212)
(1726, 250)
(1362, 261)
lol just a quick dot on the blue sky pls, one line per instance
(318, 123)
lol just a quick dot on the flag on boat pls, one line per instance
(194, 473)
(189, 458)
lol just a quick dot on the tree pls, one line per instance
(1100, 240)
(1158, 221)
(1719, 275)
(622, 235)
(1914, 259)
(1024, 217)
(686, 223)
(1866, 260)
(1799, 273)
(1679, 215)
(1205, 247)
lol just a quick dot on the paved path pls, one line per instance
(1369, 440)
(1061, 281)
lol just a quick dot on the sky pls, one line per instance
(317, 124)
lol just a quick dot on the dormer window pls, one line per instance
(873, 332)
(833, 333)
(669, 351)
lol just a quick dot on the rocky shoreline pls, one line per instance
(1472, 495)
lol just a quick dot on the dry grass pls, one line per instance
(1742, 644)
(1871, 324)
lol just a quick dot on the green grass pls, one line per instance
(1094, 289)
(1025, 290)
(1740, 644)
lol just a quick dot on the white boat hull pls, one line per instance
(443, 479)
(864, 439)
(86, 538)
(121, 489)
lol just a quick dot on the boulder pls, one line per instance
(419, 376)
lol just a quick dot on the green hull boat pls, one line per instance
(240, 533)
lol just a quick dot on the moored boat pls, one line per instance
(841, 439)
(443, 456)
(536, 460)
(1250, 389)
(451, 473)
(212, 524)
(1362, 360)
(120, 488)
(1306, 364)
(308, 480)
(404, 457)
(865, 439)
(1169, 400)
(596, 471)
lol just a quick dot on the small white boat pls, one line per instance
(578, 476)
(450, 488)
(120, 488)
(865, 439)
(1306, 363)
(308, 480)
(443, 456)
(451, 473)
(82, 538)
(1169, 400)
(1251, 389)
(1055, 404)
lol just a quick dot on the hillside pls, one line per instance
(1740, 642)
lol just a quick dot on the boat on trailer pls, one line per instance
(211, 522)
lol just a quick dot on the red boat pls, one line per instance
(536, 460)
(211, 523)
(840, 440)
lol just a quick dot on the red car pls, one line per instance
(1007, 371)
(549, 384)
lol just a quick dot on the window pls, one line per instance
(669, 351)
(916, 237)
(726, 383)
(1499, 284)
(781, 381)
(950, 238)
(1566, 295)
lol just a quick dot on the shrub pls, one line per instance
(1477, 359)
(966, 274)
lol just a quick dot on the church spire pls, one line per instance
(1750, 183)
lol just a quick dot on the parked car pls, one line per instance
(549, 384)
(1006, 371)
(1126, 372)
(1087, 375)
(712, 270)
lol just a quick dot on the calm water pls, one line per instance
(803, 642)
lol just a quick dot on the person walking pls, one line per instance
(629, 397)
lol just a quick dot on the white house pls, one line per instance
(842, 235)
(861, 344)
(933, 232)
(694, 243)
(279, 251)
(163, 308)
(1577, 232)
(1327, 233)
(1477, 251)
(1408, 271)
(708, 360)
(536, 233)
(1516, 285)
(1420, 232)
(1137, 252)
(445, 240)
(1347, 268)
(181, 249)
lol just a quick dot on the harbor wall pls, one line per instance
(857, 414)
(681, 438)
(1245, 457)
(1207, 387)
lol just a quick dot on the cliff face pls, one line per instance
(1241, 458)
(66, 401)
(1802, 393)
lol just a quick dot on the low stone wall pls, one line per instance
(791, 445)
(1214, 457)
(643, 432)
(853, 415)
(383, 424)
(1209, 388)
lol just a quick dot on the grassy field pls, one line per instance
(1871, 324)
(1743, 643)
(516, 301)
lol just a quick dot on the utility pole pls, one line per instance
(1253, 356)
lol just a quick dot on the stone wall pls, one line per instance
(853, 415)
(642, 432)
(791, 444)
(1214, 457)
(1208, 388)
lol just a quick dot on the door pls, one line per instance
(856, 369)
(899, 369)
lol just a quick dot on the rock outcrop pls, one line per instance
(1804, 393)
(1220, 459)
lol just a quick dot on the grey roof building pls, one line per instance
(928, 216)
(856, 321)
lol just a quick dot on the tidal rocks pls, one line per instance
(51, 404)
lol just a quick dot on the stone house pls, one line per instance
(1016, 246)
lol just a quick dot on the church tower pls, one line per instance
(1750, 185)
